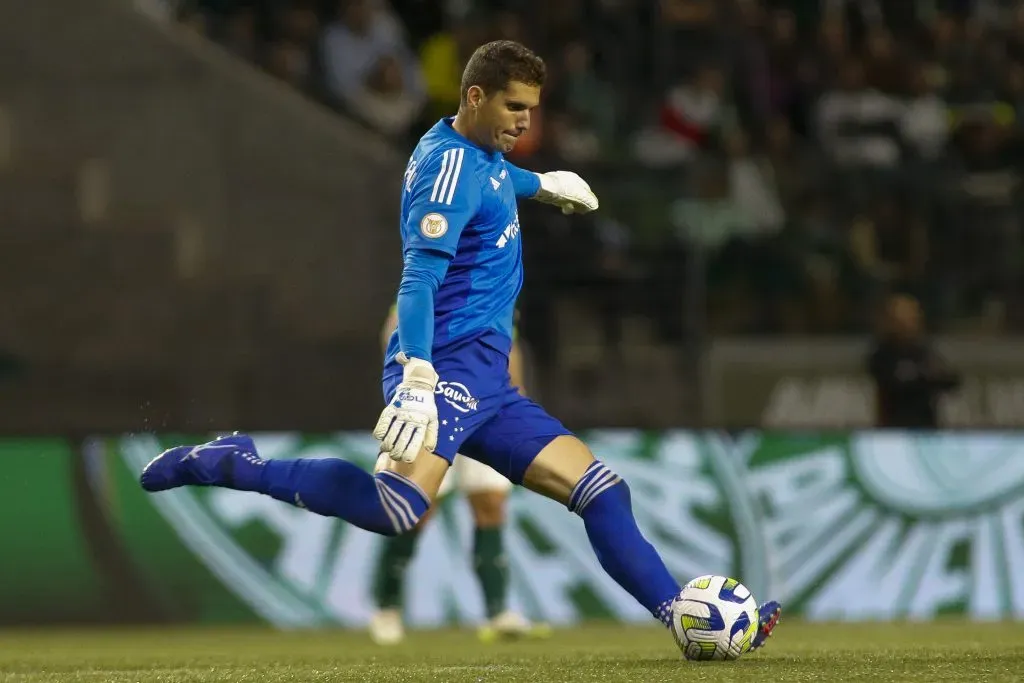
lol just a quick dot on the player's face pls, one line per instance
(505, 115)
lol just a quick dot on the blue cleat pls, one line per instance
(221, 462)
(768, 617)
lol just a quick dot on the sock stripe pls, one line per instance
(582, 483)
(598, 489)
(602, 475)
(400, 506)
(597, 479)
(387, 508)
(408, 482)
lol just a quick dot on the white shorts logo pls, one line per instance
(457, 396)
(433, 225)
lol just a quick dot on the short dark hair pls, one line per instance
(496, 64)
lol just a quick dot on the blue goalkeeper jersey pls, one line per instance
(459, 199)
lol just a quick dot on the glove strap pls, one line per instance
(417, 371)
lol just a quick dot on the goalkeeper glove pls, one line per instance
(409, 422)
(567, 191)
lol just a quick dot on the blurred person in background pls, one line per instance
(369, 68)
(909, 375)
(442, 57)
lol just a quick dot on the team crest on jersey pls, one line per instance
(457, 395)
(433, 225)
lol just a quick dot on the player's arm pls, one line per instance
(563, 189)
(445, 198)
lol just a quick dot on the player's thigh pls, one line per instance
(448, 483)
(555, 471)
(511, 440)
(427, 471)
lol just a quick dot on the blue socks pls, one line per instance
(385, 503)
(602, 499)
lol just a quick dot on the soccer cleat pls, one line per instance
(221, 462)
(511, 625)
(386, 627)
(768, 618)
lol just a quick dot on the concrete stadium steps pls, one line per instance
(65, 260)
(43, 203)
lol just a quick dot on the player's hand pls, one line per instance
(567, 191)
(409, 422)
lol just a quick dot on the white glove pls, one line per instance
(409, 422)
(566, 190)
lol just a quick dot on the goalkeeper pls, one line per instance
(445, 382)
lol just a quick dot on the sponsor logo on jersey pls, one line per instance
(510, 232)
(433, 225)
(457, 395)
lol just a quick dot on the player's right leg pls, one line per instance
(390, 502)
(566, 471)
(530, 447)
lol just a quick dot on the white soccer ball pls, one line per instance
(714, 617)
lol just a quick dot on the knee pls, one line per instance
(489, 508)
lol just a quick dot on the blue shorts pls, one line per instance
(480, 414)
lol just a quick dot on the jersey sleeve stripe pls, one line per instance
(455, 177)
(450, 155)
(440, 176)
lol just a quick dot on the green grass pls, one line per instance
(942, 651)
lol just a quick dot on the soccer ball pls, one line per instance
(714, 617)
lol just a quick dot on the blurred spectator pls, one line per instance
(752, 184)
(909, 376)
(858, 125)
(1013, 94)
(291, 52)
(586, 99)
(240, 34)
(925, 123)
(889, 244)
(370, 69)
(795, 168)
(884, 66)
(691, 117)
(442, 57)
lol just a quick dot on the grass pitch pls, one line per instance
(942, 651)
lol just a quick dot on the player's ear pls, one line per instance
(475, 96)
